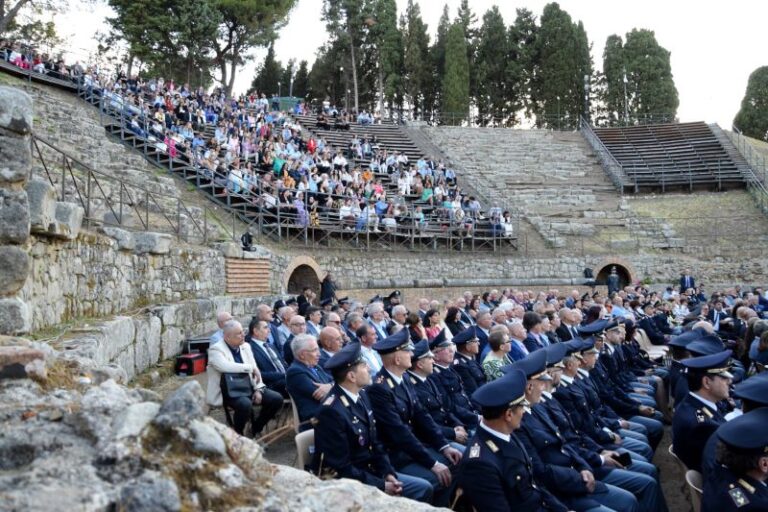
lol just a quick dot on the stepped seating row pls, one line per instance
(436, 231)
(284, 223)
(679, 154)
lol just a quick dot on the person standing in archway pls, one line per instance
(613, 281)
(328, 288)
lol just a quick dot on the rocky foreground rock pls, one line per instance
(74, 437)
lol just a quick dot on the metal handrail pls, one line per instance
(93, 187)
(612, 167)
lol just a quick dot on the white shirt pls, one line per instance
(706, 402)
(495, 433)
(352, 396)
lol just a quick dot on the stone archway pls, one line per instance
(302, 271)
(625, 277)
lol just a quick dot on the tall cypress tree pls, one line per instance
(387, 42)
(269, 74)
(614, 69)
(416, 56)
(490, 67)
(455, 90)
(752, 118)
(437, 54)
(522, 61)
(558, 86)
(652, 92)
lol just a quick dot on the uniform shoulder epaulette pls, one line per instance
(746, 486)
(737, 494)
(492, 445)
(329, 400)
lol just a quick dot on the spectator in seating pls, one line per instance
(222, 317)
(232, 355)
(330, 342)
(307, 383)
(498, 357)
(271, 365)
(432, 325)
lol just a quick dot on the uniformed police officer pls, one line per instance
(465, 361)
(346, 443)
(496, 473)
(739, 481)
(449, 381)
(430, 396)
(753, 394)
(697, 416)
(414, 442)
(556, 463)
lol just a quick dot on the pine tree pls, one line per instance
(345, 21)
(752, 118)
(468, 21)
(455, 90)
(490, 67)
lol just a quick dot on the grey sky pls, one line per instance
(714, 45)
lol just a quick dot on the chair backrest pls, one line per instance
(296, 420)
(645, 342)
(693, 478)
(305, 447)
(672, 453)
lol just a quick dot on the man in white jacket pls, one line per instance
(233, 355)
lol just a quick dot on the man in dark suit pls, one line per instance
(650, 327)
(719, 318)
(496, 471)
(534, 340)
(347, 444)
(414, 442)
(330, 342)
(567, 330)
(686, 281)
(270, 364)
(265, 313)
(306, 382)
(697, 416)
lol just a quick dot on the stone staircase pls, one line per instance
(553, 180)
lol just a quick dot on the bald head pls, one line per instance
(330, 339)
(222, 317)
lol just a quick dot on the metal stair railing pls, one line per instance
(91, 186)
(611, 166)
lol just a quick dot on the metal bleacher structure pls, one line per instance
(670, 156)
(438, 232)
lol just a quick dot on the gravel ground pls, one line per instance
(283, 449)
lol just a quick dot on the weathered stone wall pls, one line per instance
(136, 342)
(93, 276)
(15, 157)
(476, 271)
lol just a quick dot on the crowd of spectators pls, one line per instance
(265, 157)
(292, 340)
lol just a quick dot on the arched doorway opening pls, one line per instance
(625, 278)
(301, 277)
